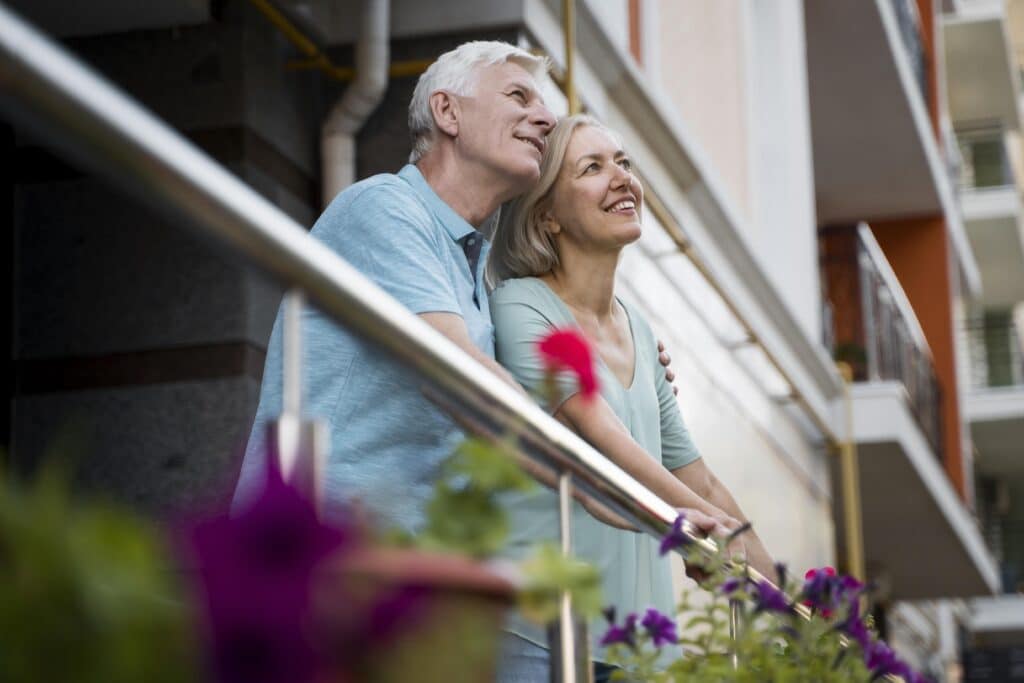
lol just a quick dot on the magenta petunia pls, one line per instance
(567, 349)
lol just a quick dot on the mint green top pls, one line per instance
(524, 310)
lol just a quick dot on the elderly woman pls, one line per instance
(555, 253)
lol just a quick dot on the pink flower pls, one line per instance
(566, 349)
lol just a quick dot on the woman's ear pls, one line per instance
(546, 220)
(444, 107)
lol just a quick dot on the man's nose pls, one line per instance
(543, 118)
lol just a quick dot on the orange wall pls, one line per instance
(920, 255)
(929, 40)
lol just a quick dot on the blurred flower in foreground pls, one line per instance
(675, 538)
(566, 349)
(255, 572)
(661, 628)
(624, 634)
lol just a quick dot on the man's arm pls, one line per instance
(453, 326)
(698, 477)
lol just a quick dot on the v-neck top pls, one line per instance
(634, 577)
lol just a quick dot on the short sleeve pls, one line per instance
(519, 325)
(389, 236)
(677, 448)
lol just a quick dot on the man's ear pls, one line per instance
(445, 110)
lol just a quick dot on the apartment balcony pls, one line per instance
(910, 508)
(995, 402)
(981, 77)
(991, 203)
(876, 153)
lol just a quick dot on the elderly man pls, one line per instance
(478, 124)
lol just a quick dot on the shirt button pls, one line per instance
(471, 241)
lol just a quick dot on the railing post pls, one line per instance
(734, 632)
(567, 637)
(298, 446)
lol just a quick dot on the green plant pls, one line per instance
(85, 591)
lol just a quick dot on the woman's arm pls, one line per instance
(699, 478)
(595, 421)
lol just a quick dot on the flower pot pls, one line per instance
(395, 614)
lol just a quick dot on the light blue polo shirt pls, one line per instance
(386, 439)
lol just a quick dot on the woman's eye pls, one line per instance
(591, 167)
(626, 164)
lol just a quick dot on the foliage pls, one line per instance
(548, 573)
(86, 593)
(775, 642)
(465, 514)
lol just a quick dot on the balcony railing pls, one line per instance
(909, 21)
(997, 359)
(875, 329)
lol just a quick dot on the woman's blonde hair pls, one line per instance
(520, 246)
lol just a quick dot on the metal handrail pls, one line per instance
(49, 91)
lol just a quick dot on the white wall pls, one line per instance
(701, 68)
(782, 230)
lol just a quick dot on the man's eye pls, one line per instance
(519, 95)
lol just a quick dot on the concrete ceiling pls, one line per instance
(66, 19)
(870, 160)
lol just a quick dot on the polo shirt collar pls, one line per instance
(453, 223)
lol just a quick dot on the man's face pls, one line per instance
(504, 126)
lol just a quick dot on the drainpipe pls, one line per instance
(337, 135)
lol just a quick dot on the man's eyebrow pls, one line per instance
(522, 86)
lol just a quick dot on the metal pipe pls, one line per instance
(316, 58)
(569, 40)
(361, 97)
(566, 623)
(850, 483)
(672, 227)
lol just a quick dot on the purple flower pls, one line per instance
(881, 660)
(854, 627)
(675, 538)
(768, 598)
(730, 585)
(661, 628)
(625, 634)
(254, 572)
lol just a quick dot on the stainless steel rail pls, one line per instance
(51, 92)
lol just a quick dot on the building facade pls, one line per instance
(818, 190)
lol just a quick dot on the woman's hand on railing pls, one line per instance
(717, 525)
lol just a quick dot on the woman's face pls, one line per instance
(596, 200)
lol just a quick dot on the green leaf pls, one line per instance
(548, 574)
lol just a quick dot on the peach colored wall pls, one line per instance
(701, 48)
(920, 255)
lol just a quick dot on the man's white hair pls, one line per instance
(456, 71)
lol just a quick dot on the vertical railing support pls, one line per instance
(734, 632)
(567, 637)
(298, 446)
